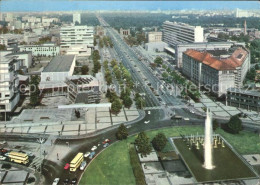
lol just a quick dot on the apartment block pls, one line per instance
(47, 49)
(154, 36)
(76, 18)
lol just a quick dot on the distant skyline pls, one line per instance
(65, 5)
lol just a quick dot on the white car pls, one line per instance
(2, 158)
(56, 181)
(83, 165)
(93, 148)
(147, 122)
(87, 154)
(149, 112)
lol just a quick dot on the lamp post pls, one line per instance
(68, 144)
(40, 141)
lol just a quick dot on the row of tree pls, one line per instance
(96, 58)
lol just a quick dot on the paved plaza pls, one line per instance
(219, 109)
(56, 121)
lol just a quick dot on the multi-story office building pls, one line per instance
(217, 70)
(154, 36)
(202, 46)
(47, 49)
(177, 33)
(76, 35)
(9, 82)
(77, 18)
(83, 89)
(246, 99)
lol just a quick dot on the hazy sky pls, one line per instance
(66, 5)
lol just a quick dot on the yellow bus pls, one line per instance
(75, 163)
(17, 157)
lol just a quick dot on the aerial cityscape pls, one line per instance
(129, 92)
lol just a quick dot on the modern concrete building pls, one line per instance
(124, 32)
(217, 70)
(79, 51)
(154, 36)
(155, 46)
(24, 58)
(47, 49)
(76, 18)
(178, 33)
(202, 46)
(246, 99)
(83, 89)
(9, 82)
(76, 35)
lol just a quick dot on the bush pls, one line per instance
(136, 166)
(6, 166)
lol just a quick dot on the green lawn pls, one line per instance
(113, 165)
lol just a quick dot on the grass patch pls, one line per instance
(113, 165)
(137, 168)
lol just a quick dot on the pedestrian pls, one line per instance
(57, 156)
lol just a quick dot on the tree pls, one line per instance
(140, 103)
(84, 70)
(34, 90)
(127, 101)
(143, 144)
(158, 60)
(2, 47)
(159, 142)
(215, 124)
(235, 124)
(121, 132)
(116, 106)
(165, 75)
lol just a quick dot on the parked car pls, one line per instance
(74, 181)
(67, 166)
(56, 181)
(149, 112)
(106, 145)
(83, 165)
(2, 158)
(86, 154)
(92, 154)
(93, 148)
(3, 150)
(2, 142)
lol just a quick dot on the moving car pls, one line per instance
(67, 166)
(83, 165)
(86, 154)
(2, 158)
(74, 181)
(93, 148)
(56, 181)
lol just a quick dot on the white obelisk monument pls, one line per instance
(208, 142)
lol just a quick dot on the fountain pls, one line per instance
(208, 143)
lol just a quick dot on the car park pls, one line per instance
(67, 166)
(83, 165)
(56, 181)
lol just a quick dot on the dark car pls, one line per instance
(66, 181)
(74, 181)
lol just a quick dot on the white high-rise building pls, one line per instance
(76, 18)
(178, 33)
(9, 82)
(76, 35)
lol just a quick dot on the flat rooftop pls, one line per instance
(246, 92)
(61, 63)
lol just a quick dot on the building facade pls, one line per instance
(246, 99)
(154, 36)
(9, 82)
(48, 49)
(177, 33)
(76, 18)
(217, 71)
(76, 35)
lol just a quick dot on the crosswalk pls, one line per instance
(36, 163)
(163, 107)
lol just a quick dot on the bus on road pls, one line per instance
(75, 163)
(17, 157)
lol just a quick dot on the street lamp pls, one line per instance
(40, 141)
(68, 144)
